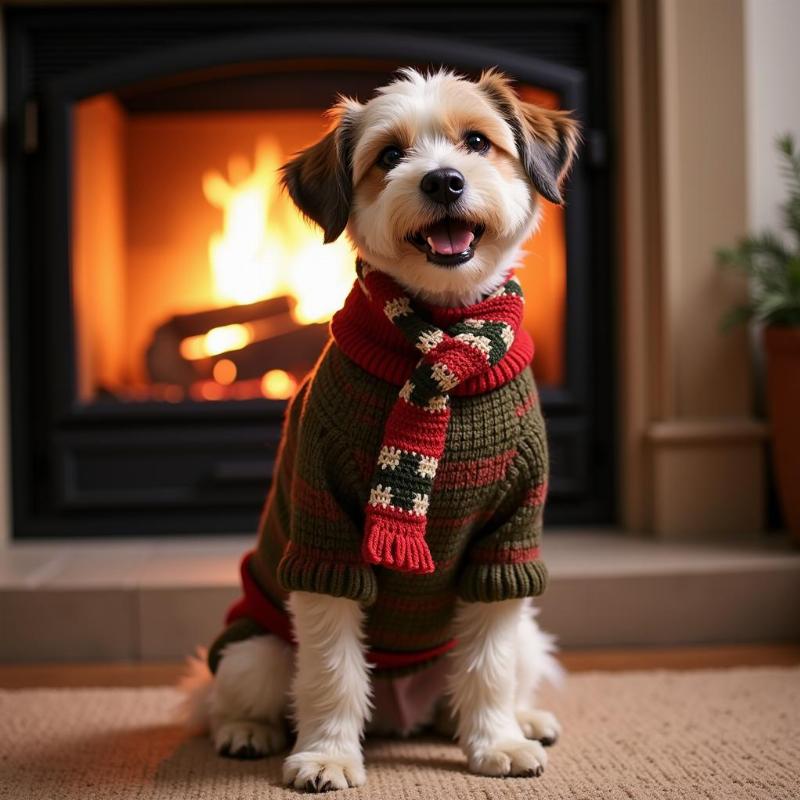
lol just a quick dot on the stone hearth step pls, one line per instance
(147, 600)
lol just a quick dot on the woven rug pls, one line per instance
(708, 734)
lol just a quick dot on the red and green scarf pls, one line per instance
(472, 350)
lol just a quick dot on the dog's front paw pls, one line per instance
(540, 725)
(521, 759)
(247, 739)
(323, 772)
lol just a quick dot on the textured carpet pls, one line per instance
(711, 734)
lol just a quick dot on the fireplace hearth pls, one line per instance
(165, 297)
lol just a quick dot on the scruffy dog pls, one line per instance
(398, 548)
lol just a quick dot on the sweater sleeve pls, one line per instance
(324, 550)
(502, 562)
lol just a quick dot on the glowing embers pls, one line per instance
(235, 353)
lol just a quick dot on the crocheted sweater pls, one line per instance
(484, 519)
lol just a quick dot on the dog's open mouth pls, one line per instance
(448, 242)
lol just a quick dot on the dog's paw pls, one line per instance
(323, 772)
(521, 759)
(247, 739)
(540, 725)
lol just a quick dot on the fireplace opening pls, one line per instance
(194, 277)
(165, 297)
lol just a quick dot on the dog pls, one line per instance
(437, 181)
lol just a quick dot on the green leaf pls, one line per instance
(770, 262)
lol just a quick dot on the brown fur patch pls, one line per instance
(456, 124)
(547, 139)
(320, 178)
(504, 163)
(402, 134)
(372, 184)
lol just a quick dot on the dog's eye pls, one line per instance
(390, 157)
(476, 142)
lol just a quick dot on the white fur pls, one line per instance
(483, 689)
(196, 686)
(244, 705)
(536, 662)
(330, 693)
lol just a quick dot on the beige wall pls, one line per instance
(773, 100)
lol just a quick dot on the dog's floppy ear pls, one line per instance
(319, 179)
(547, 140)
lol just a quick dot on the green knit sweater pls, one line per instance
(484, 520)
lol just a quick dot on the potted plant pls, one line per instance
(772, 263)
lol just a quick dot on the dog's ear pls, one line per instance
(547, 140)
(319, 179)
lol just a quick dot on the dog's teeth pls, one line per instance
(431, 244)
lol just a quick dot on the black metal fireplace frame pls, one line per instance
(59, 444)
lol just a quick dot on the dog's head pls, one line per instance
(436, 179)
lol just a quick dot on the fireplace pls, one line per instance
(166, 298)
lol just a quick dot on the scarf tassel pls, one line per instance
(389, 544)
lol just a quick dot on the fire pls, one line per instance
(265, 249)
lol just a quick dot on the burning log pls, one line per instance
(255, 337)
(293, 351)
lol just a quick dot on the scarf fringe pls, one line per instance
(392, 545)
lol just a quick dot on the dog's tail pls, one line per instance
(552, 670)
(541, 648)
(196, 685)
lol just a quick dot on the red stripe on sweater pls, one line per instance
(316, 502)
(506, 556)
(468, 474)
(524, 408)
(536, 495)
(460, 522)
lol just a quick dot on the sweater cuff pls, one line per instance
(489, 583)
(301, 571)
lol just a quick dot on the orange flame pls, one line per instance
(265, 248)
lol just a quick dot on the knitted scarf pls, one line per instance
(473, 353)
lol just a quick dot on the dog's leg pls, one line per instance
(482, 688)
(535, 662)
(330, 693)
(249, 697)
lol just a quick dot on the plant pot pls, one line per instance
(782, 346)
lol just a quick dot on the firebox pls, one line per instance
(166, 297)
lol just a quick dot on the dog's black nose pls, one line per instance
(443, 185)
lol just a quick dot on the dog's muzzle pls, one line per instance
(449, 242)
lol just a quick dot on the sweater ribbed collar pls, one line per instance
(366, 336)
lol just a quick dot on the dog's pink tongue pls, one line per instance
(449, 237)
